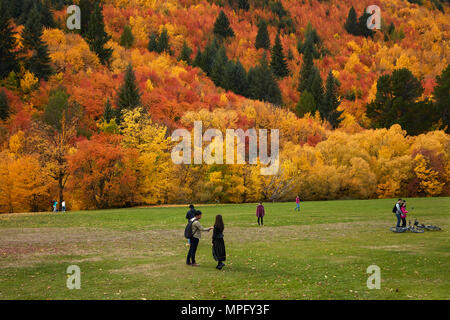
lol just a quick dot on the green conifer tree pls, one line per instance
(129, 96)
(278, 61)
(222, 26)
(8, 58)
(127, 38)
(96, 36)
(4, 106)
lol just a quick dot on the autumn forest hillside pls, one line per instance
(86, 114)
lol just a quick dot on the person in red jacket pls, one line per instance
(260, 214)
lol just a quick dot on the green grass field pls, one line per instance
(320, 253)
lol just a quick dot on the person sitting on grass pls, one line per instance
(403, 214)
(260, 213)
(197, 230)
(218, 243)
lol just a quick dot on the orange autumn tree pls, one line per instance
(101, 174)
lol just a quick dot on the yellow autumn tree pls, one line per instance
(429, 178)
(154, 162)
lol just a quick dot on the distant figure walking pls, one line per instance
(297, 201)
(260, 213)
(197, 230)
(63, 204)
(218, 243)
(55, 206)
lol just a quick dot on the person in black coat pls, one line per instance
(189, 215)
(218, 243)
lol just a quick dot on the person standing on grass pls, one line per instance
(197, 230)
(218, 243)
(398, 212)
(260, 213)
(63, 204)
(404, 212)
(189, 215)
(297, 202)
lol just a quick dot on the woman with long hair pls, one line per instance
(218, 243)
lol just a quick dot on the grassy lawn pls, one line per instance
(320, 253)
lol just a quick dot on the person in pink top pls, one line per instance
(403, 214)
(297, 201)
(260, 214)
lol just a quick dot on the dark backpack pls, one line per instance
(188, 230)
(394, 210)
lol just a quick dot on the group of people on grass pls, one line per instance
(55, 206)
(400, 212)
(193, 217)
(218, 244)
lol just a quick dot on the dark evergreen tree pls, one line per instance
(306, 71)
(163, 42)
(127, 38)
(159, 43)
(312, 43)
(351, 24)
(236, 78)
(396, 102)
(108, 112)
(262, 38)
(362, 26)
(26, 8)
(222, 26)
(328, 108)
(442, 97)
(262, 84)
(218, 67)
(128, 96)
(46, 13)
(86, 9)
(198, 60)
(39, 62)
(96, 36)
(278, 61)
(8, 58)
(316, 87)
(153, 43)
(16, 8)
(185, 53)
(4, 106)
(305, 104)
(244, 5)
(207, 57)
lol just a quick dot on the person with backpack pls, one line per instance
(218, 248)
(398, 211)
(193, 232)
